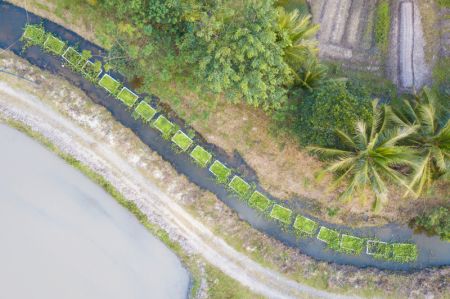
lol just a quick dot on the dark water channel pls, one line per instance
(432, 251)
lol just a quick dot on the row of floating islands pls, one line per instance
(34, 34)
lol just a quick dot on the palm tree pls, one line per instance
(311, 74)
(432, 138)
(298, 33)
(371, 157)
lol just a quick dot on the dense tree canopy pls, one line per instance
(332, 106)
(241, 56)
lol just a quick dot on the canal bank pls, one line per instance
(103, 136)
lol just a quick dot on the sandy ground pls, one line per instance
(107, 160)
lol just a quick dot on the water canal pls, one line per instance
(432, 251)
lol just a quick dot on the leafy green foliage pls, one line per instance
(220, 171)
(370, 158)
(281, 213)
(237, 52)
(383, 24)
(435, 222)
(432, 138)
(332, 106)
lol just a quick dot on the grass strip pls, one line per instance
(241, 187)
(259, 201)
(382, 25)
(109, 83)
(127, 97)
(329, 236)
(305, 225)
(145, 111)
(54, 45)
(201, 156)
(220, 171)
(352, 244)
(182, 140)
(281, 213)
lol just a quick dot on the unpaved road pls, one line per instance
(107, 161)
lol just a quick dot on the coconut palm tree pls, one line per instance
(298, 33)
(432, 138)
(371, 157)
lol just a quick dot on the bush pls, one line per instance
(435, 222)
(332, 106)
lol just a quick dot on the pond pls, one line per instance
(62, 236)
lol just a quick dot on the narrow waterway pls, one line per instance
(62, 236)
(431, 250)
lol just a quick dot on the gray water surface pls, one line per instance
(62, 236)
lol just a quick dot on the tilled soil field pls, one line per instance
(347, 35)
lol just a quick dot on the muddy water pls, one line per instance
(432, 251)
(62, 236)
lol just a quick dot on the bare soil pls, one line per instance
(88, 131)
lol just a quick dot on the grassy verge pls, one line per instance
(382, 25)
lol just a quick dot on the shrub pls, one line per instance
(332, 106)
(435, 222)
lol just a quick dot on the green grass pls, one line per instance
(352, 244)
(220, 171)
(182, 140)
(305, 225)
(380, 250)
(404, 252)
(201, 156)
(329, 236)
(109, 83)
(145, 111)
(34, 34)
(241, 187)
(259, 201)
(54, 45)
(92, 70)
(72, 56)
(281, 213)
(127, 97)
(163, 125)
(382, 24)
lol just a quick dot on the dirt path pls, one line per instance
(106, 160)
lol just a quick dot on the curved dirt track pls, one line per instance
(108, 161)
